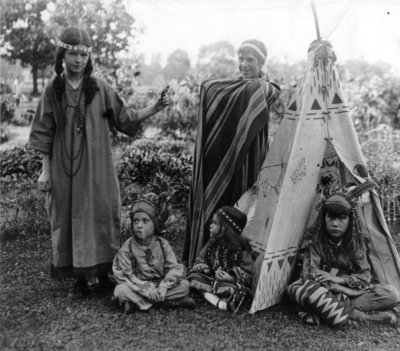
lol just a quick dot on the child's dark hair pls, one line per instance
(335, 206)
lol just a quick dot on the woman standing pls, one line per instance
(71, 129)
(231, 144)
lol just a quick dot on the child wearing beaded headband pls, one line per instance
(145, 267)
(223, 270)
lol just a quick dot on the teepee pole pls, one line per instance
(316, 20)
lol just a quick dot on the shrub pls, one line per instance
(22, 209)
(380, 147)
(22, 204)
(163, 167)
(20, 163)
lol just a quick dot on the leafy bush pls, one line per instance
(179, 120)
(22, 209)
(163, 167)
(22, 204)
(20, 163)
(381, 147)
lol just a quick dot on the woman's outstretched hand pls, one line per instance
(163, 100)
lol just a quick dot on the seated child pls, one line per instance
(145, 267)
(223, 270)
(337, 283)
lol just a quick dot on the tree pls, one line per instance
(24, 35)
(373, 93)
(217, 60)
(178, 65)
(29, 27)
(110, 26)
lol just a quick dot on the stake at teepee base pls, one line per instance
(315, 151)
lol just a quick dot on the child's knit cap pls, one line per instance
(148, 205)
(233, 217)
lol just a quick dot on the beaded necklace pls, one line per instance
(220, 257)
(79, 119)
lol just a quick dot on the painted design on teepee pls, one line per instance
(315, 105)
(330, 176)
(265, 186)
(337, 99)
(293, 106)
(278, 264)
(299, 172)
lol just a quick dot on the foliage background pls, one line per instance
(39, 313)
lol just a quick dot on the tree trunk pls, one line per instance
(35, 91)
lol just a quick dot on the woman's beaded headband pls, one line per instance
(254, 47)
(74, 47)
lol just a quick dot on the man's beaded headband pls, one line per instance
(230, 220)
(74, 47)
(254, 47)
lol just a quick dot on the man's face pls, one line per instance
(336, 226)
(249, 65)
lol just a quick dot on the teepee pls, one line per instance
(315, 150)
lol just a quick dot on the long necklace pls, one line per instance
(79, 118)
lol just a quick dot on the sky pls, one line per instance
(357, 29)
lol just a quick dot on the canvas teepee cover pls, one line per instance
(315, 146)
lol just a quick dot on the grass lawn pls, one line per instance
(38, 313)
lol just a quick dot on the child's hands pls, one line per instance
(224, 276)
(325, 277)
(201, 268)
(157, 294)
(161, 292)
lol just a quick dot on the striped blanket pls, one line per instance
(230, 148)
